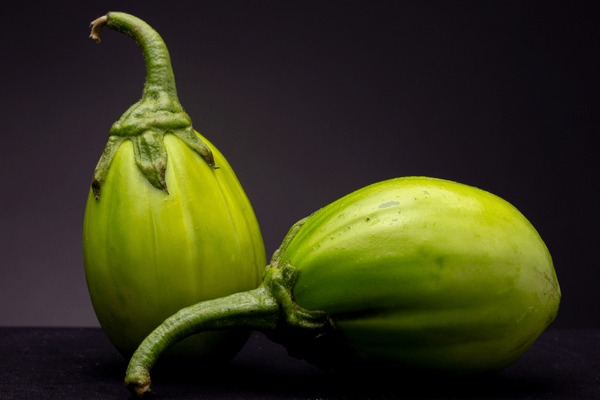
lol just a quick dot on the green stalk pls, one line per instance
(255, 309)
(157, 113)
(159, 73)
(269, 307)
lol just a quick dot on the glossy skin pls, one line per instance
(415, 275)
(167, 223)
(426, 273)
(148, 253)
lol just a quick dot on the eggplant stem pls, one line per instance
(254, 309)
(157, 113)
(270, 308)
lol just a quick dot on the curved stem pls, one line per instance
(255, 309)
(270, 307)
(159, 73)
(157, 113)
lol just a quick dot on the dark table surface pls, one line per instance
(73, 363)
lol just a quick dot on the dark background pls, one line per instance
(308, 100)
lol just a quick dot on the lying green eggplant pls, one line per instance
(167, 223)
(421, 273)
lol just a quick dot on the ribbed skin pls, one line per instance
(148, 254)
(428, 273)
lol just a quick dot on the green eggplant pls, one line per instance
(167, 223)
(420, 273)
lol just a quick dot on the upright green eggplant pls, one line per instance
(419, 273)
(167, 223)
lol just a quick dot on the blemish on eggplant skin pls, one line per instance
(389, 204)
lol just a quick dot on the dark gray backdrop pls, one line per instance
(309, 100)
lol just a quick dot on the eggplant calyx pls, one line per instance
(157, 113)
(280, 281)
